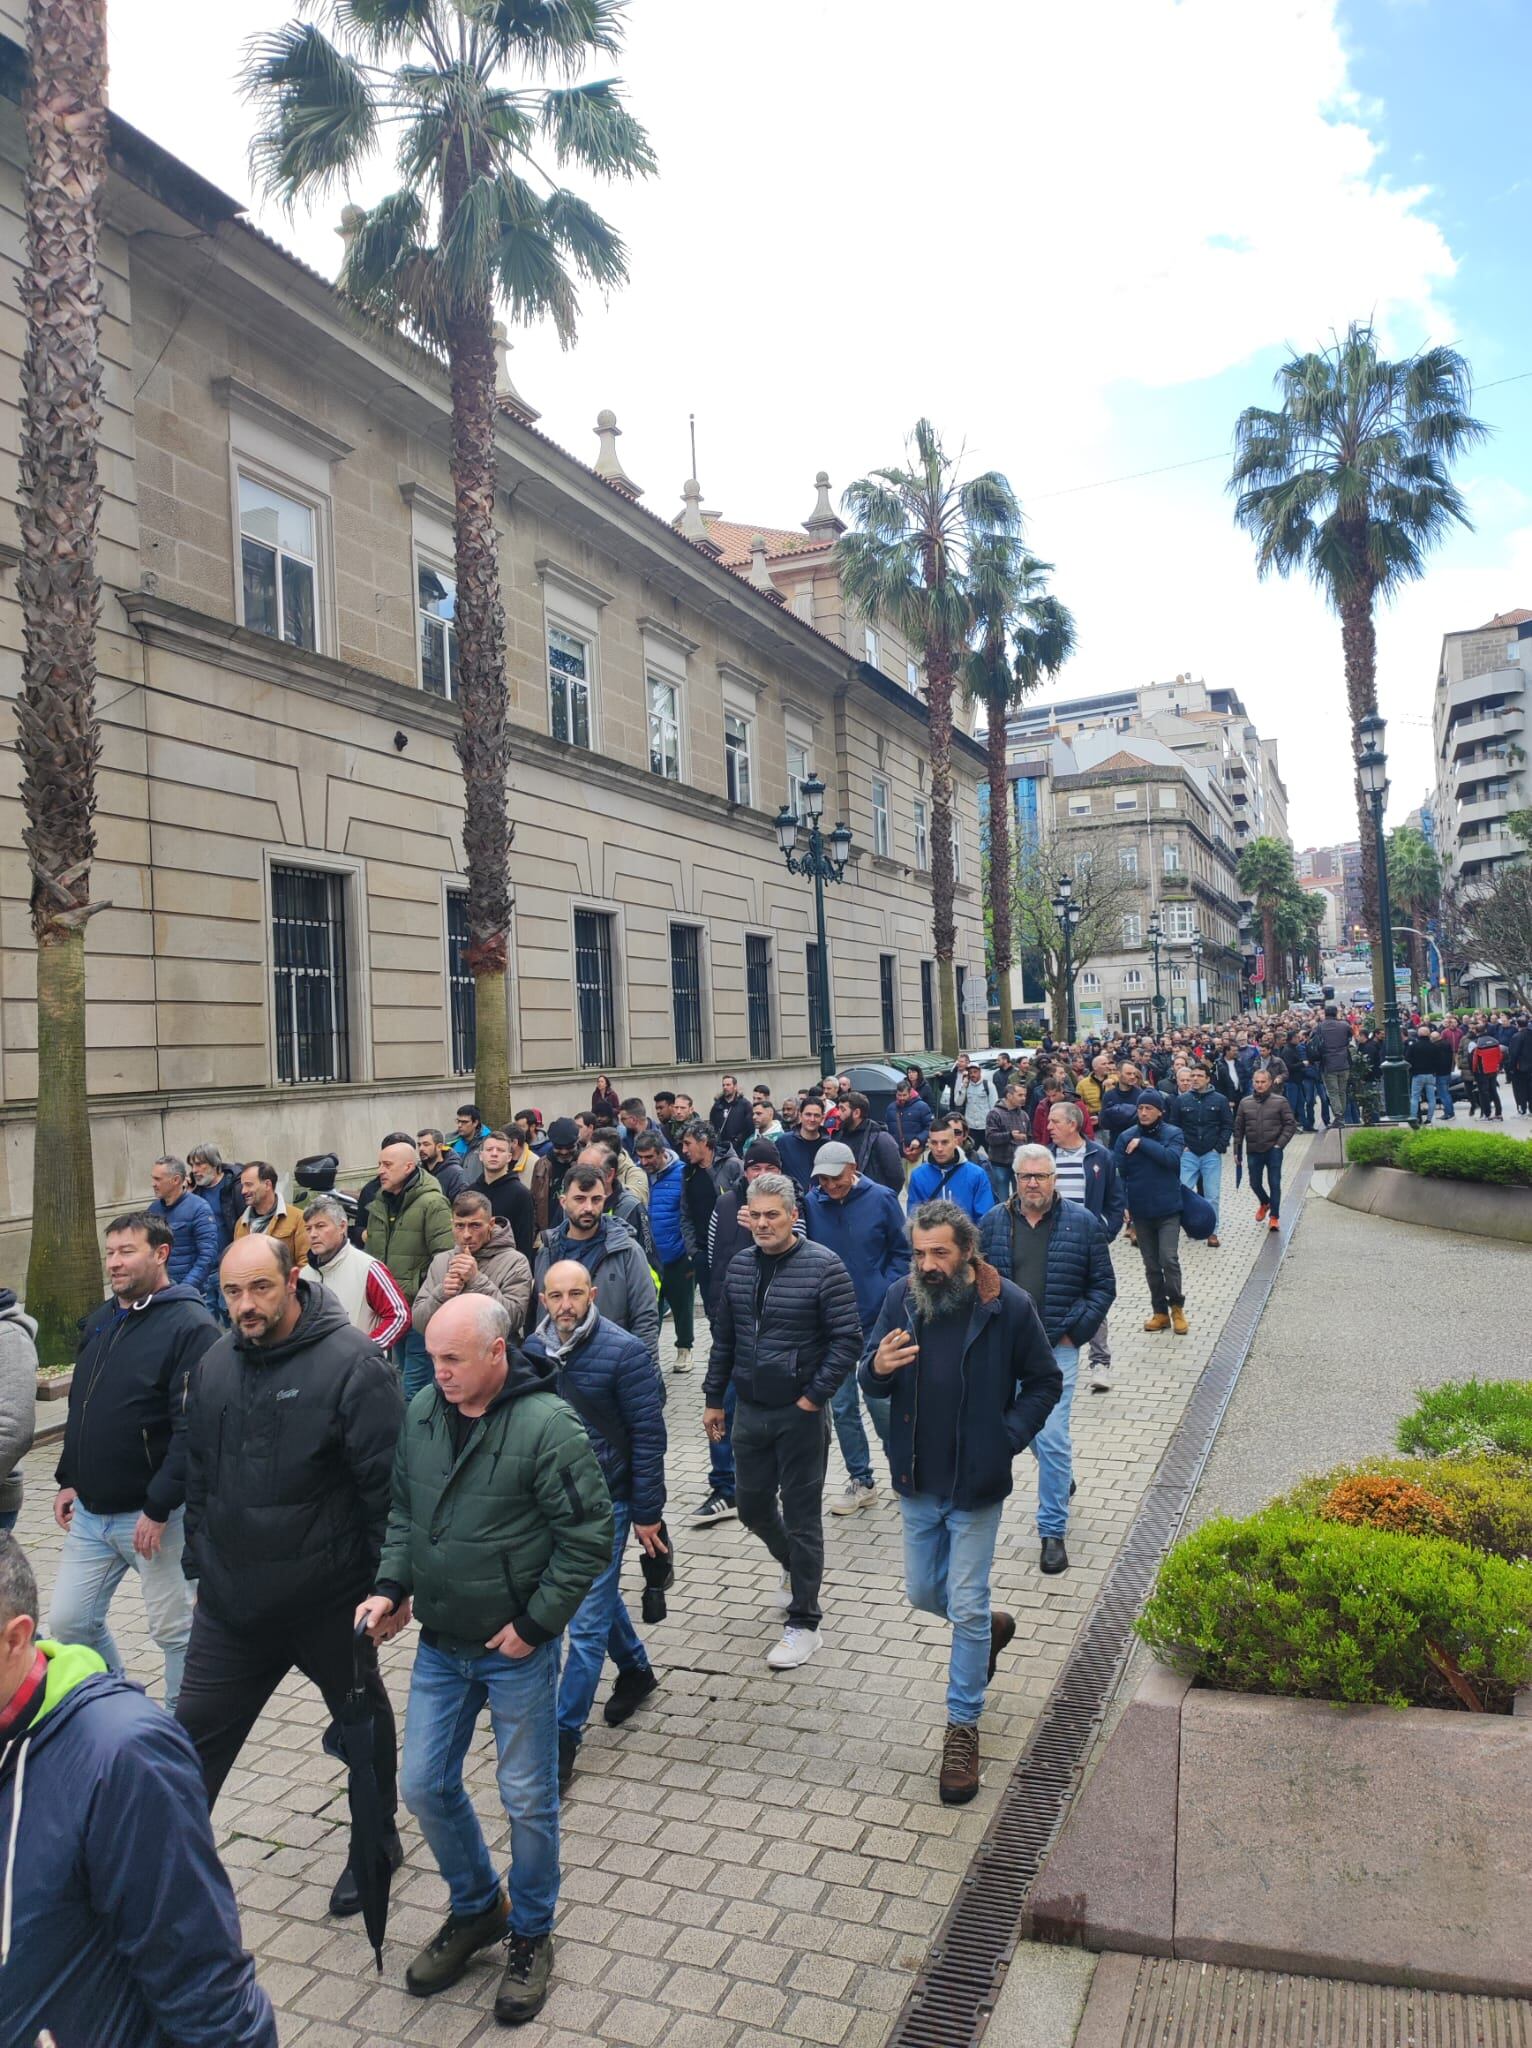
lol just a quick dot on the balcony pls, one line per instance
(1484, 810)
(1491, 725)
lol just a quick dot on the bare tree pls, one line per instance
(1104, 893)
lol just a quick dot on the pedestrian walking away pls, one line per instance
(788, 1332)
(1264, 1126)
(971, 1378)
(291, 1423)
(1147, 1155)
(1085, 1173)
(121, 1471)
(1332, 1040)
(499, 1524)
(118, 1926)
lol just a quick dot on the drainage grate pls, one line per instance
(950, 2001)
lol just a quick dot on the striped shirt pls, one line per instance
(1070, 1167)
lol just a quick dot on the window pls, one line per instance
(1125, 800)
(1179, 920)
(927, 1007)
(869, 646)
(595, 992)
(960, 979)
(308, 954)
(912, 674)
(1177, 974)
(1079, 807)
(686, 991)
(1127, 859)
(1172, 857)
(1090, 981)
(797, 775)
(664, 729)
(1084, 862)
(758, 994)
(882, 836)
(1133, 929)
(736, 757)
(462, 1013)
(1133, 978)
(957, 853)
(1167, 799)
(437, 600)
(569, 687)
(278, 544)
(816, 1012)
(887, 1005)
(922, 834)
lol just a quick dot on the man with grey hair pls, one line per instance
(970, 1377)
(216, 1180)
(364, 1284)
(120, 1925)
(193, 1227)
(786, 1333)
(1087, 1173)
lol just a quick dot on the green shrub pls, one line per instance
(1380, 1146)
(1369, 1501)
(1468, 1417)
(1468, 1155)
(1285, 1603)
(1489, 1498)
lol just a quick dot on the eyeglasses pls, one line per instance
(1034, 1176)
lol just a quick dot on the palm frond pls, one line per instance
(589, 125)
(318, 109)
(547, 35)
(589, 242)
(383, 28)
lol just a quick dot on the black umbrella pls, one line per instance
(659, 1576)
(352, 1737)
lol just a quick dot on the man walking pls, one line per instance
(1264, 1127)
(1207, 1125)
(1084, 1172)
(121, 1475)
(971, 1378)
(471, 1133)
(1487, 1060)
(291, 1421)
(609, 1252)
(365, 1287)
(484, 1260)
(1332, 1038)
(408, 1224)
(621, 1203)
(194, 1232)
(441, 1164)
(1147, 1155)
(861, 1222)
(877, 1156)
(1006, 1127)
(608, 1378)
(947, 1176)
(712, 1168)
(677, 1282)
(909, 1121)
(266, 1214)
(787, 1333)
(1055, 1252)
(510, 1198)
(799, 1147)
(729, 1118)
(498, 1526)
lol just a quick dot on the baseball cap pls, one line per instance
(832, 1159)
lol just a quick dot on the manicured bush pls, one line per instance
(1488, 1498)
(1470, 1416)
(1380, 1146)
(1468, 1155)
(1288, 1604)
(1370, 1501)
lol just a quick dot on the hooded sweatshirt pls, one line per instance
(118, 1925)
(18, 1396)
(499, 1270)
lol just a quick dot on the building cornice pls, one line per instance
(252, 404)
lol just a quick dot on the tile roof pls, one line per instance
(1517, 618)
(734, 539)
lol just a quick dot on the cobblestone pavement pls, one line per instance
(755, 1858)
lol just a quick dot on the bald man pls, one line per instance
(291, 1422)
(408, 1222)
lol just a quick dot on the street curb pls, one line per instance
(1477, 1208)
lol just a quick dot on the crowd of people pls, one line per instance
(305, 1421)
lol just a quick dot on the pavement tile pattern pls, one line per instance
(755, 1859)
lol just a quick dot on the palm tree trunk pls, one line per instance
(999, 860)
(57, 737)
(943, 917)
(1359, 647)
(1269, 948)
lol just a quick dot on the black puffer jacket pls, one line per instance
(288, 1454)
(802, 1342)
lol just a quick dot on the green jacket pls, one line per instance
(407, 1230)
(515, 1529)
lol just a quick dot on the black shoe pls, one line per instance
(1054, 1558)
(524, 1984)
(628, 1694)
(346, 1899)
(716, 1508)
(453, 1946)
(569, 1749)
(1074, 1488)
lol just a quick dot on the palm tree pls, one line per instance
(476, 219)
(1415, 878)
(1265, 873)
(909, 559)
(1021, 635)
(1349, 479)
(57, 736)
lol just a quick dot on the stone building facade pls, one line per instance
(280, 805)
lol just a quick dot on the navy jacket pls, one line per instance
(909, 1123)
(1010, 1384)
(124, 1932)
(195, 1249)
(799, 1345)
(1118, 1111)
(1206, 1120)
(1151, 1173)
(1103, 1187)
(866, 1232)
(1080, 1285)
(610, 1381)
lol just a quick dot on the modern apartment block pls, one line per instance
(1479, 726)
(280, 805)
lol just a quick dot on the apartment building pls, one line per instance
(280, 810)
(1479, 727)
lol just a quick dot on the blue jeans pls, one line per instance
(415, 1364)
(1266, 1178)
(601, 1628)
(720, 1471)
(1002, 1180)
(98, 1554)
(947, 1555)
(846, 1414)
(1209, 1165)
(1050, 1447)
(446, 1693)
(1424, 1086)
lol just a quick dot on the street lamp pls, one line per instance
(1372, 771)
(1156, 935)
(1069, 914)
(1197, 975)
(825, 859)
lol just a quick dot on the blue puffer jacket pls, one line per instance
(963, 1182)
(1151, 1172)
(665, 1210)
(1080, 1286)
(610, 1381)
(908, 1123)
(866, 1233)
(1118, 1112)
(194, 1240)
(1206, 1120)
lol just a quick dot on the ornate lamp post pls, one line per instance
(1069, 914)
(1197, 976)
(1372, 769)
(825, 859)
(1156, 937)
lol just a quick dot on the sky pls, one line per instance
(1079, 239)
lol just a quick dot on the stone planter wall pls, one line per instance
(1476, 1206)
(1290, 1835)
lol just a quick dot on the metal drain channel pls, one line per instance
(950, 2001)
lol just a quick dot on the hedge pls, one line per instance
(1468, 1416)
(1489, 1498)
(1445, 1155)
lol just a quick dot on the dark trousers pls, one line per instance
(1159, 1246)
(1488, 1086)
(232, 1672)
(780, 1455)
(1266, 1178)
(1521, 1088)
(676, 1294)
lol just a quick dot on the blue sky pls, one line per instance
(1078, 239)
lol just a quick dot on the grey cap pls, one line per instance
(832, 1159)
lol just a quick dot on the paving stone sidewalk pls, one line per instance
(756, 1858)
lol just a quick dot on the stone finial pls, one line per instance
(823, 521)
(760, 575)
(691, 523)
(508, 397)
(608, 463)
(351, 218)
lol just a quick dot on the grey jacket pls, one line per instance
(502, 1272)
(625, 1291)
(18, 1396)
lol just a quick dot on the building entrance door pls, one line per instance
(1135, 1016)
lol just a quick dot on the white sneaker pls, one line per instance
(796, 1647)
(1101, 1379)
(855, 1494)
(782, 1593)
(682, 1362)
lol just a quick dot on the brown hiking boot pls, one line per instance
(1213, 1241)
(1002, 1627)
(1178, 1320)
(959, 1779)
(1157, 1322)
